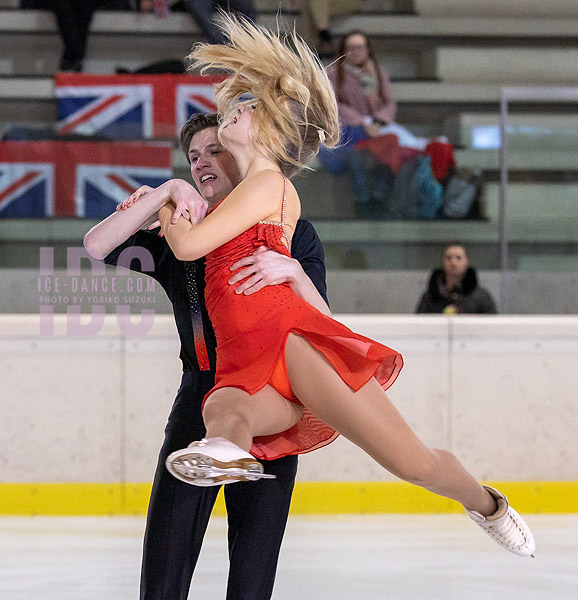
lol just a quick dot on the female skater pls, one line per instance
(289, 377)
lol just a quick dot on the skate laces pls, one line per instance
(508, 529)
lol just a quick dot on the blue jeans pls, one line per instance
(202, 12)
(370, 181)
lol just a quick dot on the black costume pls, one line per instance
(467, 296)
(178, 513)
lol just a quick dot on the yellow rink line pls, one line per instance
(308, 498)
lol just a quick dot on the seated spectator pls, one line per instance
(203, 12)
(374, 145)
(363, 91)
(454, 289)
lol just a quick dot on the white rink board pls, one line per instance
(499, 391)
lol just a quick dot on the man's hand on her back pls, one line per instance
(264, 267)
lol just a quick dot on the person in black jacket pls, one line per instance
(454, 289)
(178, 513)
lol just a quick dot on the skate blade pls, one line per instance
(202, 470)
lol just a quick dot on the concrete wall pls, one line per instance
(398, 292)
(501, 392)
(350, 291)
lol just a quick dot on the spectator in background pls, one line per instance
(362, 86)
(374, 146)
(73, 18)
(454, 289)
(364, 97)
(203, 11)
(320, 12)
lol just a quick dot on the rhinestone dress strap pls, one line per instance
(283, 215)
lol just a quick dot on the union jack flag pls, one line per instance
(130, 106)
(26, 189)
(76, 179)
(193, 98)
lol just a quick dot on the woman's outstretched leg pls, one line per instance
(367, 417)
(370, 420)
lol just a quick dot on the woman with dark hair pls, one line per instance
(367, 110)
(362, 86)
(454, 289)
(364, 99)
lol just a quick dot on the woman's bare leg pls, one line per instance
(233, 418)
(237, 416)
(370, 420)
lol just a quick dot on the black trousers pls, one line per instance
(73, 18)
(203, 13)
(178, 514)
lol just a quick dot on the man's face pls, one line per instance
(455, 261)
(213, 169)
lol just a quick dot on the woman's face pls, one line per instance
(239, 130)
(356, 50)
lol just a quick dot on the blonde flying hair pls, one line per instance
(288, 86)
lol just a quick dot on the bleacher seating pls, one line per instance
(497, 8)
(480, 131)
(514, 66)
(449, 60)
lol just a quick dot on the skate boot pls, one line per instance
(506, 527)
(214, 461)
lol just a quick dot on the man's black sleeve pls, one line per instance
(306, 247)
(156, 247)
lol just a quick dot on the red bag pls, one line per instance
(385, 149)
(442, 158)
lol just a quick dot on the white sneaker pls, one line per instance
(506, 527)
(214, 461)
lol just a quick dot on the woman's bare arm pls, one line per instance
(139, 209)
(253, 200)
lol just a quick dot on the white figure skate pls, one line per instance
(214, 461)
(506, 527)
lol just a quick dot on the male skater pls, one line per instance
(178, 513)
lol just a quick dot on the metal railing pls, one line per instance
(509, 95)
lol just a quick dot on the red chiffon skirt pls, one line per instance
(252, 332)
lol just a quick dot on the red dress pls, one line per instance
(251, 332)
